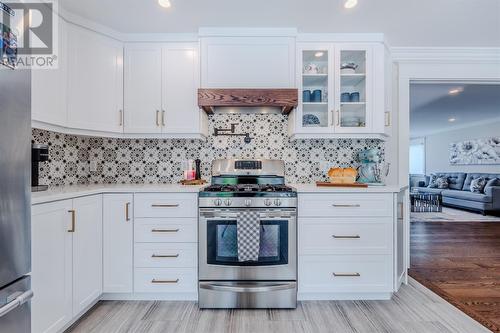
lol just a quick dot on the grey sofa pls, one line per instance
(459, 195)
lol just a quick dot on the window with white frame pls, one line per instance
(417, 156)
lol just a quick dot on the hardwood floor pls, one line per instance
(413, 309)
(460, 261)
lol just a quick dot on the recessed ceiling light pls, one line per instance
(164, 3)
(455, 91)
(452, 120)
(319, 54)
(350, 4)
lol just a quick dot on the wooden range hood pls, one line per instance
(209, 99)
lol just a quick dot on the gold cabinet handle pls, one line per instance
(165, 230)
(73, 220)
(333, 117)
(346, 236)
(121, 118)
(338, 117)
(164, 281)
(127, 211)
(387, 119)
(163, 117)
(164, 205)
(157, 118)
(346, 206)
(346, 274)
(165, 255)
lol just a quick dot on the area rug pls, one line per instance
(452, 215)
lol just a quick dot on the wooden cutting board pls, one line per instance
(193, 182)
(328, 184)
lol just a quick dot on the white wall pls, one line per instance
(437, 149)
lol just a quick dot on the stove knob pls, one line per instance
(218, 202)
(228, 202)
(277, 202)
(267, 202)
(248, 202)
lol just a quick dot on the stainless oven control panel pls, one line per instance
(253, 202)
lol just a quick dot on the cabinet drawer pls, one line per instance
(165, 280)
(156, 230)
(368, 273)
(165, 255)
(166, 205)
(320, 236)
(348, 204)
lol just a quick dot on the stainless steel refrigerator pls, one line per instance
(15, 206)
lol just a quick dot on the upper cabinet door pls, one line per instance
(48, 88)
(143, 88)
(94, 81)
(354, 92)
(180, 112)
(248, 62)
(315, 79)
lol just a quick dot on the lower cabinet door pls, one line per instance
(51, 274)
(118, 231)
(87, 252)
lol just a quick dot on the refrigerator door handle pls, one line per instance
(18, 301)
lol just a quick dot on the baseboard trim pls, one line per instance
(344, 296)
(193, 296)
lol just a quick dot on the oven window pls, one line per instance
(222, 243)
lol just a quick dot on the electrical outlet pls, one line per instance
(93, 166)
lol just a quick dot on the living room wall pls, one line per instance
(437, 148)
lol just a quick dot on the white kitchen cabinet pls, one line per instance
(95, 81)
(143, 75)
(336, 101)
(87, 252)
(161, 82)
(118, 243)
(248, 62)
(51, 254)
(49, 88)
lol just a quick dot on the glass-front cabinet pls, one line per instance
(336, 88)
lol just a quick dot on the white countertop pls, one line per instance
(73, 191)
(313, 188)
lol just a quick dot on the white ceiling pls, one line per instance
(405, 22)
(431, 106)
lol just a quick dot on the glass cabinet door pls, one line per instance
(354, 91)
(316, 89)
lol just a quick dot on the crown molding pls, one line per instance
(446, 54)
(246, 32)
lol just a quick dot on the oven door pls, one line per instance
(218, 252)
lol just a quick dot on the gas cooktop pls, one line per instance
(248, 190)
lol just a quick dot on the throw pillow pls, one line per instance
(432, 181)
(477, 185)
(493, 182)
(442, 183)
(438, 182)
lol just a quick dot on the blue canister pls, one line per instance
(345, 97)
(306, 96)
(354, 97)
(316, 96)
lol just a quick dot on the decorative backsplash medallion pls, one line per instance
(160, 160)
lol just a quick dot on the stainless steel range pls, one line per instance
(241, 269)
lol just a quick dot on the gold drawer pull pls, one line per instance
(164, 281)
(346, 237)
(165, 255)
(346, 206)
(127, 211)
(165, 230)
(164, 205)
(346, 274)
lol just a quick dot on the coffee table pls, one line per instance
(424, 202)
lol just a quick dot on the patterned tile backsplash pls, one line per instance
(160, 160)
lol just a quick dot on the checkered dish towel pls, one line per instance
(248, 230)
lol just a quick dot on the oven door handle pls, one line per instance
(248, 288)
